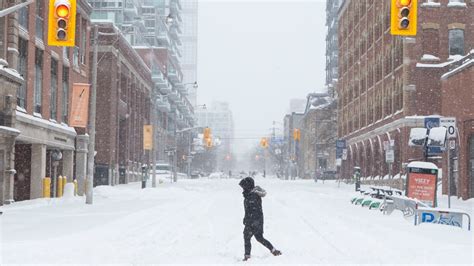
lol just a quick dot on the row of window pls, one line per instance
(79, 57)
(38, 83)
(455, 42)
(377, 105)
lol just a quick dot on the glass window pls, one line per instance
(39, 19)
(23, 17)
(456, 42)
(23, 70)
(38, 80)
(54, 90)
(65, 101)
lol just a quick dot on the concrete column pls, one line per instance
(38, 170)
(81, 162)
(68, 164)
(12, 37)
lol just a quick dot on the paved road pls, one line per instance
(200, 221)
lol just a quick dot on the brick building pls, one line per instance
(458, 101)
(42, 101)
(318, 136)
(10, 81)
(389, 84)
(123, 107)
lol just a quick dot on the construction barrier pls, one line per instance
(46, 187)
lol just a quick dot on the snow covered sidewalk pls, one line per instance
(200, 221)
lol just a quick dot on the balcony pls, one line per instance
(163, 38)
(157, 76)
(166, 89)
(130, 10)
(173, 75)
(163, 105)
(173, 95)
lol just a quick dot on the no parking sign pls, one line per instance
(450, 124)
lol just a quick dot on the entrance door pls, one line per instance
(471, 165)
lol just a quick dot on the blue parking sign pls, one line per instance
(431, 122)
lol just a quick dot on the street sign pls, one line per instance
(386, 145)
(340, 145)
(450, 124)
(452, 144)
(344, 154)
(390, 156)
(431, 122)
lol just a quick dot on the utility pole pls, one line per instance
(175, 157)
(188, 158)
(91, 126)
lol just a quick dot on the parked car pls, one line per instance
(196, 174)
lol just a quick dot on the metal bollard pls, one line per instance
(59, 192)
(46, 187)
(75, 187)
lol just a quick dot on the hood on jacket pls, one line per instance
(247, 184)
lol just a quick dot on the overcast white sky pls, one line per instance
(257, 55)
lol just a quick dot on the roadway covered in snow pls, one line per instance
(200, 221)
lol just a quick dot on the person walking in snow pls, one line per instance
(253, 219)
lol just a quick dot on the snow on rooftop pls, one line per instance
(319, 103)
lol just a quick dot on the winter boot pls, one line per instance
(246, 257)
(276, 252)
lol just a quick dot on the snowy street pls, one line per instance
(200, 221)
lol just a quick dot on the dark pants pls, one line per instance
(258, 233)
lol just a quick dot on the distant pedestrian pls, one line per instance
(253, 219)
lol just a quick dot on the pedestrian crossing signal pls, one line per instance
(403, 17)
(62, 23)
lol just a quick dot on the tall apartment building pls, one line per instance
(154, 28)
(332, 7)
(388, 84)
(218, 116)
(189, 48)
(125, 14)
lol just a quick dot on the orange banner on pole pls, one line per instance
(79, 114)
(147, 137)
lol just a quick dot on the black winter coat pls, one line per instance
(253, 204)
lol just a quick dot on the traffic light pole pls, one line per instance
(92, 116)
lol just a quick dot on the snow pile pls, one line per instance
(69, 191)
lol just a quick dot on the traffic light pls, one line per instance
(264, 143)
(62, 22)
(208, 142)
(403, 17)
(207, 133)
(297, 134)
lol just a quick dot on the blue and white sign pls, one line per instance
(431, 122)
(340, 146)
(441, 216)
